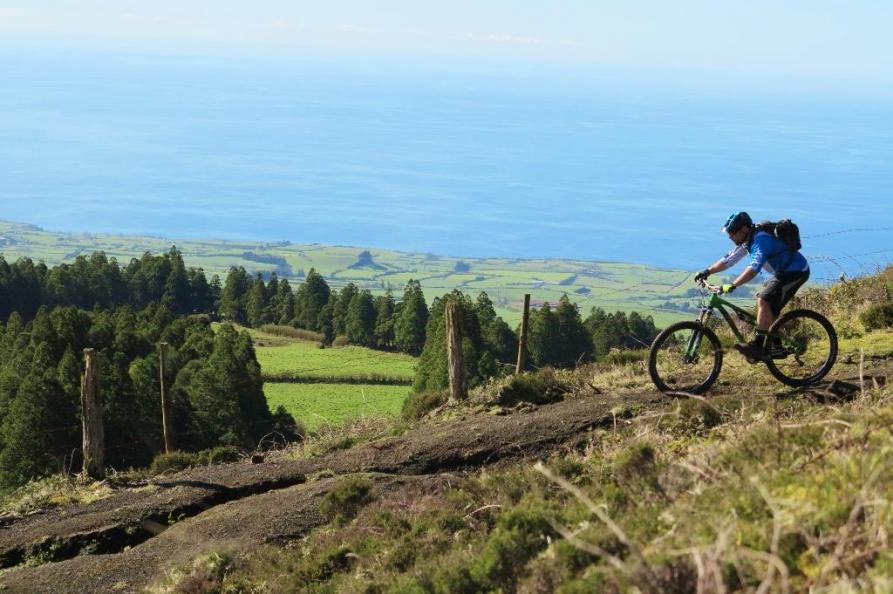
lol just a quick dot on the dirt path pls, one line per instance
(277, 516)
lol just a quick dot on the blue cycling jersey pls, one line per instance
(769, 252)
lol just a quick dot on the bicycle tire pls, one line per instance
(788, 320)
(661, 377)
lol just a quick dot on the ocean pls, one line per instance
(473, 163)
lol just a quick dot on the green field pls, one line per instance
(316, 404)
(609, 285)
(279, 355)
(306, 359)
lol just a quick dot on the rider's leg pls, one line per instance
(765, 315)
(753, 350)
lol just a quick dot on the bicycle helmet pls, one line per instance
(736, 221)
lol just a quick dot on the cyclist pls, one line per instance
(790, 270)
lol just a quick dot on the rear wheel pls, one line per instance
(685, 357)
(802, 346)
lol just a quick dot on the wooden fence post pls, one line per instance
(166, 417)
(522, 341)
(91, 415)
(454, 353)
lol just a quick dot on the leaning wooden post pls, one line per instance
(522, 340)
(166, 417)
(454, 354)
(91, 414)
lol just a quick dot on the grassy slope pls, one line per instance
(610, 285)
(757, 488)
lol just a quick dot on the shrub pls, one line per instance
(173, 462)
(346, 498)
(340, 341)
(636, 468)
(878, 316)
(540, 387)
(418, 404)
(695, 418)
(292, 332)
(624, 356)
(517, 537)
(218, 455)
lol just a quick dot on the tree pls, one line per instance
(177, 292)
(384, 321)
(41, 428)
(285, 303)
(576, 343)
(360, 321)
(341, 306)
(325, 320)
(312, 296)
(498, 336)
(225, 394)
(233, 300)
(544, 341)
(256, 303)
(431, 369)
(411, 320)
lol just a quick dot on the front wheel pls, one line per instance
(803, 348)
(685, 357)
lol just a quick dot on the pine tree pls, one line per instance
(256, 304)
(341, 307)
(325, 322)
(312, 296)
(285, 303)
(479, 362)
(41, 427)
(233, 300)
(544, 341)
(201, 294)
(411, 320)
(384, 321)
(177, 292)
(360, 321)
(498, 337)
(576, 343)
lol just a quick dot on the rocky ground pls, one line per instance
(125, 542)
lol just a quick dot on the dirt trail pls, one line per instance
(276, 516)
(88, 540)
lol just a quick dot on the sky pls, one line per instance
(821, 39)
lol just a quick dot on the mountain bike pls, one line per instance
(801, 346)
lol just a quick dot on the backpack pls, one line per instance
(784, 230)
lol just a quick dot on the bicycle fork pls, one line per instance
(694, 341)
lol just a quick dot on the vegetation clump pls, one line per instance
(346, 498)
(878, 316)
(540, 387)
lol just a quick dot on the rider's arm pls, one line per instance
(728, 260)
(745, 276)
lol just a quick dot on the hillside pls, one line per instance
(609, 285)
(757, 487)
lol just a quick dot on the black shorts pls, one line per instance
(779, 289)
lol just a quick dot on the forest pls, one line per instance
(49, 315)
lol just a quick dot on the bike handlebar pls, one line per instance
(711, 288)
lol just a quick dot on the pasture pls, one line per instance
(317, 404)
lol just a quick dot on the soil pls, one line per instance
(129, 540)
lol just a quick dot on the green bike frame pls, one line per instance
(717, 303)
